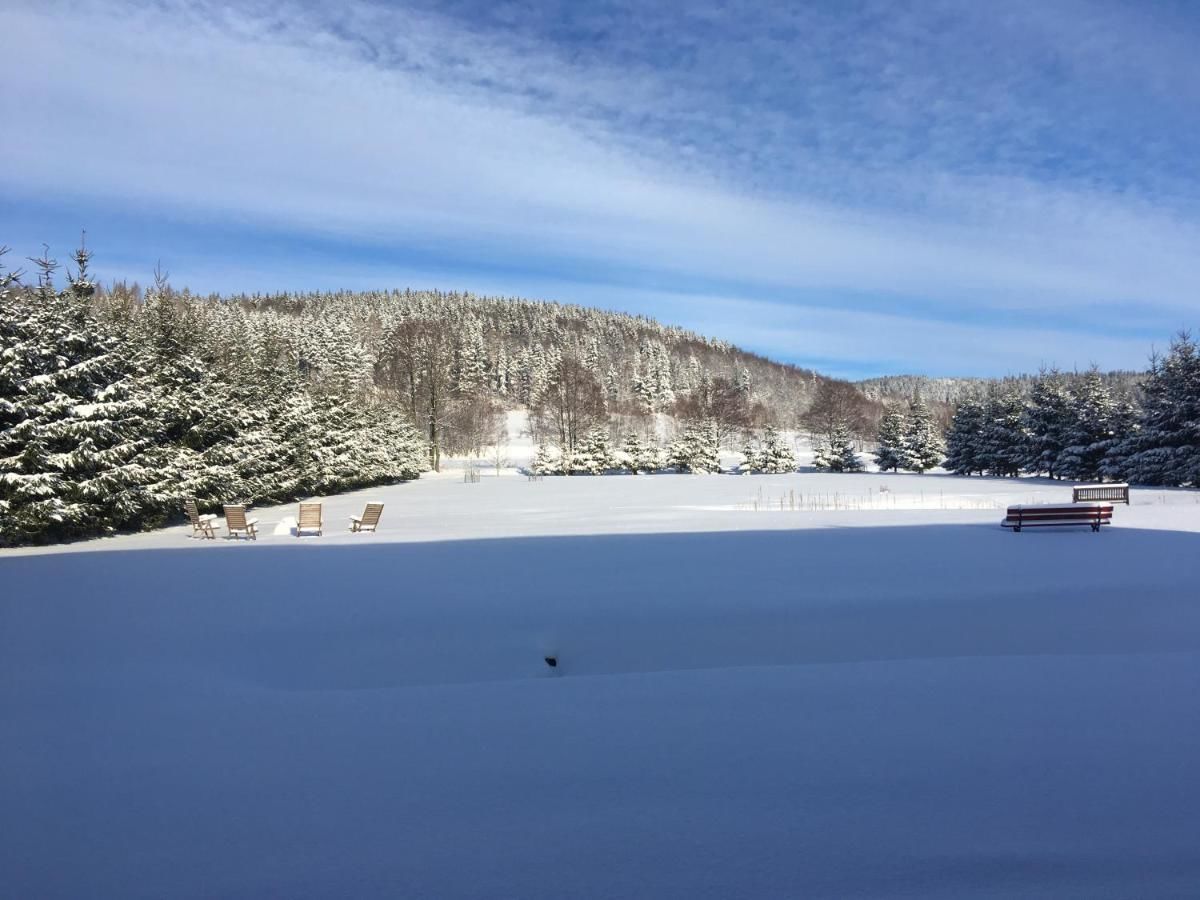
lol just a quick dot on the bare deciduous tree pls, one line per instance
(573, 404)
(471, 423)
(416, 363)
(718, 400)
(837, 404)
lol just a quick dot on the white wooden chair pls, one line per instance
(309, 519)
(238, 525)
(202, 524)
(369, 520)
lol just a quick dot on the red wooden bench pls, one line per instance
(1045, 514)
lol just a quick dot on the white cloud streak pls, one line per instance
(398, 129)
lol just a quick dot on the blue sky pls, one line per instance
(937, 187)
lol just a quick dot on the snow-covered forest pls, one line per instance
(1084, 427)
(949, 391)
(114, 408)
(117, 403)
(1089, 426)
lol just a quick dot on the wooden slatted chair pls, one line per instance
(309, 519)
(369, 520)
(202, 524)
(238, 525)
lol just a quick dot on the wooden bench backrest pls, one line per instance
(1101, 492)
(1088, 513)
(372, 513)
(192, 510)
(310, 515)
(235, 517)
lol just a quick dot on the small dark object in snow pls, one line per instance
(551, 661)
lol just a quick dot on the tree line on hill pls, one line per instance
(1083, 427)
(948, 392)
(117, 403)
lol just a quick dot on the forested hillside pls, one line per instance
(117, 403)
(452, 361)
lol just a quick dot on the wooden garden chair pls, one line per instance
(369, 520)
(202, 524)
(309, 519)
(238, 525)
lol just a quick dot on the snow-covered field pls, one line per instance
(863, 693)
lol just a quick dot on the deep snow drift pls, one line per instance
(750, 701)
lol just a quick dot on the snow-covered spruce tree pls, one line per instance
(1046, 419)
(1096, 423)
(250, 452)
(698, 449)
(547, 460)
(612, 385)
(333, 356)
(659, 365)
(742, 383)
(836, 453)
(74, 421)
(891, 452)
(384, 448)
(470, 365)
(1165, 447)
(500, 379)
(776, 456)
(13, 332)
(162, 338)
(333, 444)
(593, 455)
(750, 454)
(321, 441)
(1003, 439)
(640, 456)
(1126, 425)
(964, 442)
(924, 447)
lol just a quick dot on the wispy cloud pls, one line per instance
(929, 157)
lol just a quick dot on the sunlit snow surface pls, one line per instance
(879, 694)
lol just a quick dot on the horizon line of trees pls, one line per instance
(117, 403)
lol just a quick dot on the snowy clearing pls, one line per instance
(832, 701)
